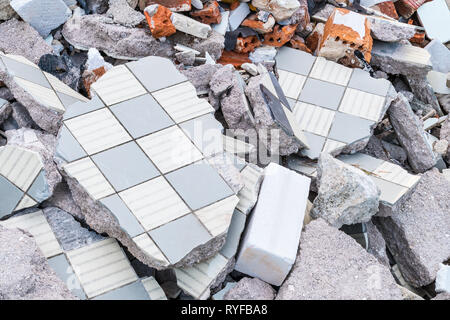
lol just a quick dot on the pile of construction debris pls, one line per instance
(226, 150)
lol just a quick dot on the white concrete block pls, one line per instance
(269, 247)
(443, 279)
(190, 26)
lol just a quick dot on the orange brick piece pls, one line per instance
(236, 59)
(297, 42)
(90, 77)
(419, 38)
(173, 5)
(247, 44)
(406, 8)
(387, 8)
(257, 25)
(345, 32)
(209, 14)
(312, 41)
(159, 21)
(279, 36)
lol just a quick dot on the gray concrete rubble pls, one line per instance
(346, 194)
(390, 30)
(122, 13)
(6, 12)
(250, 289)
(18, 37)
(201, 76)
(410, 134)
(377, 245)
(24, 271)
(120, 42)
(417, 232)
(347, 271)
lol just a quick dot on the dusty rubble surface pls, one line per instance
(225, 149)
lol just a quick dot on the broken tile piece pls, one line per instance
(190, 26)
(263, 246)
(42, 15)
(439, 56)
(238, 15)
(435, 18)
(135, 160)
(325, 119)
(22, 179)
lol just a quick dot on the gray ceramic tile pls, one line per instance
(39, 190)
(66, 99)
(292, 102)
(347, 128)
(279, 91)
(362, 161)
(126, 219)
(79, 108)
(141, 116)
(68, 147)
(239, 163)
(125, 166)
(294, 60)
(321, 93)
(26, 72)
(235, 230)
(316, 144)
(204, 131)
(64, 271)
(390, 192)
(208, 188)
(177, 238)
(10, 196)
(132, 291)
(277, 111)
(158, 74)
(362, 80)
(2, 102)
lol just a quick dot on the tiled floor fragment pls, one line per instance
(335, 106)
(42, 86)
(134, 148)
(99, 271)
(22, 179)
(198, 279)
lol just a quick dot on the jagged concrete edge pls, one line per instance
(37, 111)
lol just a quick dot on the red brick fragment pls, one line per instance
(234, 58)
(418, 38)
(173, 5)
(247, 44)
(209, 14)
(406, 8)
(257, 25)
(234, 5)
(279, 36)
(90, 77)
(298, 42)
(313, 40)
(387, 8)
(160, 23)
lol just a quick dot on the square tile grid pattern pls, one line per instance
(99, 270)
(333, 105)
(135, 157)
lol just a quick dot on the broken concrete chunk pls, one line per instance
(377, 245)
(250, 289)
(280, 9)
(23, 179)
(190, 26)
(201, 76)
(108, 138)
(17, 37)
(263, 246)
(43, 95)
(435, 18)
(42, 15)
(345, 32)
(173, 5)
(122, 13)
(346, 195)
(346, 272)
(390, 30)
(73, 252)
(410, 133)
(120, 42)
(443, 279)
(6, 12)
(24, 272)
(417, 233)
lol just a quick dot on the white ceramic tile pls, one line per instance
(313, 119)
(145, 243)
(330, 71)
(248, 195)
(90, 177)
(217, 216)
(153, 289)
(291, 83)
(170, 149)
(362, 104)
(26, 202)
(396, 174)
(118, 85)
(154, 203)
(97, 131)
(61, 87)
(332, 145)
(45, 96)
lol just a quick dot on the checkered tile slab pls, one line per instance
(42, 86)
(22, 179)
(392, 180)
(333, 105)
(99, 270)
(132, 149)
